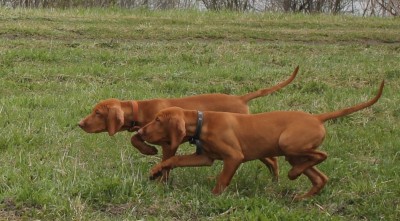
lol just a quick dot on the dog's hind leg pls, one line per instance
(318, 180)
(308, 159)
(273, 167)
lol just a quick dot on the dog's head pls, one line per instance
(106, 116)
(167, 127)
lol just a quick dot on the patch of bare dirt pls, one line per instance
(8, 210)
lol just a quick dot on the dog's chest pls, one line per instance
(211, 152)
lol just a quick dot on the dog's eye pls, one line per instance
(158, 119)
(97, 112)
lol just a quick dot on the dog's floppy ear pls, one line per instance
(115, 120)
(177, 131)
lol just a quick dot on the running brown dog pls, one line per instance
(237, 138)
(114, 115)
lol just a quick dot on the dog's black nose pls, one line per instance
(153, 177)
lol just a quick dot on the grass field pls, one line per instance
(55, 65)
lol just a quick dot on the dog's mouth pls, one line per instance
(94, 131)
(90, 130)
(153, 140)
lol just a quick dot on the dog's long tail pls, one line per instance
(339, 113)
(247, 97)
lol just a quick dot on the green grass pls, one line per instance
(55, 65)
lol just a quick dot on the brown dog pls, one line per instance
(113, 115)
(237, 138)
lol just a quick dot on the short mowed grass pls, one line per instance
(55, 65)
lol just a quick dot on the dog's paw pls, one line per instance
(155, 176)
(148, 150)
(143, 147)
(300, 197)
(218, 190)
(293, 174)
(155, 172)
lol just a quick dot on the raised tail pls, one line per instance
(247, 97)
(339, 113)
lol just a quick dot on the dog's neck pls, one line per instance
(195, 139)
(131, 114)
(191, 121)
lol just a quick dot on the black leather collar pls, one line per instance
(196, 137)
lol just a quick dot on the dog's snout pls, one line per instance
(81, 124)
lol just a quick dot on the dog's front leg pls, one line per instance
(144, 148)
(180, 161)
(229, 169)
(167, 153)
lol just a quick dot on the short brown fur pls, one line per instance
(237, 138)
(114, 115)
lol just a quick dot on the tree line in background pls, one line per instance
(359, 7)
